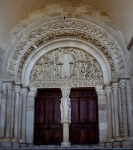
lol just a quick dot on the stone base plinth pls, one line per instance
(117, 144)
(23, 145)
(127, 144)
(6, 144)
(109, 144)
(65, 144)
(15, 144)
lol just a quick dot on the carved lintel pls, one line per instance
(33, 92)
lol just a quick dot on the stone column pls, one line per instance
(102, 115)
(109, 118)
(122, 85)
(65, 108)
(10, 87)
(25, 90)
(30, 116)
(116, 111)
(16, 120)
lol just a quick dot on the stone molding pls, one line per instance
(106, 38)
(122, 85)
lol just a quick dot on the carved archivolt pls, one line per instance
(76, 28)
(70, 65)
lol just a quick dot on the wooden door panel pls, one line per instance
(84, 125)
(57, 114)
(39, 111)
(48, 128)
(74, 110)
(83, 111)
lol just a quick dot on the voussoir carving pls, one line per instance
(68, 27)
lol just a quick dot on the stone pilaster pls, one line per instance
(116, 111)
(30, 116)
(109, 118)
(65, 108)
(102, 115)
(10, 87)
(25, 91)
(16, 121)
(122, 85)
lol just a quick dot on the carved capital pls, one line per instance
(107, 89)
(114, 86)
(33, 92)
(25, 91)
(122, 83)
(10, 86)
(99, 90)
(65, 91)
(17, 88)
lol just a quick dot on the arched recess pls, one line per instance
(70, 42)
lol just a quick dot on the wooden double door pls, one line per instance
(84, 117)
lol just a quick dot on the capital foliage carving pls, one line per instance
(114, 86)
(10, 86)
(33, 92)
(99, 90)
(55, 29)
(65, 105)
(17, 88)
(25, 91)
(107, 89)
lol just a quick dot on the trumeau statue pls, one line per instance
(66, 64)
(65, 105)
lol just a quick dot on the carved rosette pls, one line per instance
(122, 85)
(33, 92)
(65, 105)
(10, 86)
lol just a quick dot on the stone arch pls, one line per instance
(109, 43)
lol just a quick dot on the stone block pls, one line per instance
(109, 145)
(30, 145)
(65, 144)
(15, 144)
(23, 145)
(127, 144)
(117, 144)
(6, 144)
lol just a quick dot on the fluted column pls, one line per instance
(122, 85)
(65, 108)
(10, 87)
(116, 111)
(16, 121)
(25, 91)
(109, 118)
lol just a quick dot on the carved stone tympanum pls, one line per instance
(71, 66)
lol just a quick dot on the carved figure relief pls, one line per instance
(66, 64)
